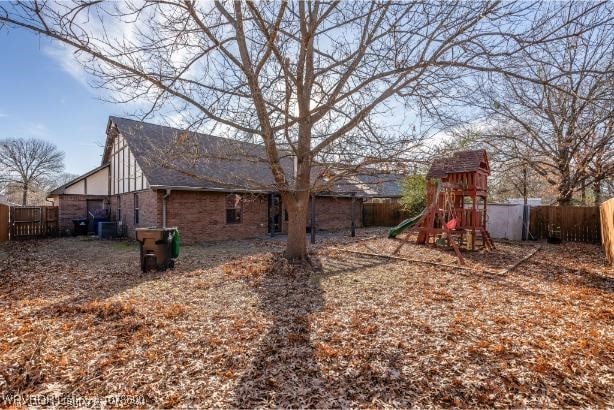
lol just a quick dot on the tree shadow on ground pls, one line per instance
(284, 370)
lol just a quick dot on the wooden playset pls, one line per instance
(456, 204)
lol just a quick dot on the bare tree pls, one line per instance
(509, 178)
(323, 82)
(562, 128)
(28, 164)
(61, 179)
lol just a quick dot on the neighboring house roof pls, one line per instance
(173, 158)
(372, 184)
(5, 201)
(460, 161)
(381, 185)
(60, 190)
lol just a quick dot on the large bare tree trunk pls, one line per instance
(298, 205)
(597, 191)
(565, 194)
(24, 195)
(565, 187)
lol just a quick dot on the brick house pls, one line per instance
(211, 188)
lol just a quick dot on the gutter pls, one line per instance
(210, 189)
(164, 199)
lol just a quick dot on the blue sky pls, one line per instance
(44, 95)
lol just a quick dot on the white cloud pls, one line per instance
(37, 130)
(65, 57)
(3, 114)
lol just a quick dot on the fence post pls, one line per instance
(606, 223)
(525, 221)
(4, 223)
(43, 220)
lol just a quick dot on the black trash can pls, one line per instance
(79, 226)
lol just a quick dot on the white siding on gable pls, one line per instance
(125, 170)
(78, 188)
(138, 174)
(98, 183)
(132, 173)
(95, 184)
(126, 174)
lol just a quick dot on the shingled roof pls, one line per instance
(5, 201)
(460, 161)
(174, 158)
(372, 184)
(170, 157)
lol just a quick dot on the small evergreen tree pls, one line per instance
(414, 194)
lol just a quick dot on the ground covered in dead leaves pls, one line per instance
(235, 325)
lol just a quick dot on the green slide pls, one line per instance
(408, 223)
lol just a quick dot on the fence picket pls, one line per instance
(31, 222)
(383, 214)
(577, 224)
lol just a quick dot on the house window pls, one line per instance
(119, 208)
(136, 209)
(234, 206)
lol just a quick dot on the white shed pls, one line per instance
(505, 221)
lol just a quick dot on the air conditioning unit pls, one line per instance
(107, 230)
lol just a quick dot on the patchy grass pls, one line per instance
(124, 245)
(235, 325)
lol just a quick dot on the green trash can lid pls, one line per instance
(175, 244)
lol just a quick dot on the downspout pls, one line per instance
(164, 199)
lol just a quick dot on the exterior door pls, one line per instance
(274, 213)
(93, 206)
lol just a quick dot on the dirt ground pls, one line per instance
(235, 325)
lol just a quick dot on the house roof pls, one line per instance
(170, 157)
(460, 161)
(5, 201)
(60, 190)
(175, 158)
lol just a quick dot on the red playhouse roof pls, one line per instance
(460, 161)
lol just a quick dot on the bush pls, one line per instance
(413, 193)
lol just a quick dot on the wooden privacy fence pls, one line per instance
(33, 221)
(4, 223)
(577, 223)
(607, 228)
(382, 214)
